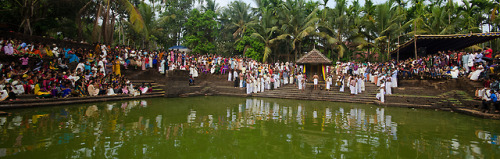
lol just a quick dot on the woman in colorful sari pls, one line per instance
(80, 89)
(41, 93)
(53, 65)
(48, 51)
(116, 67)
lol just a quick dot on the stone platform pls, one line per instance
(334, 95)
(27, 101)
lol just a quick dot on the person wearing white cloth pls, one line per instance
(262, 83)
(342, 83)
(299, 81)
(380, 95)
(277, 82)
(235, 75)
(3, 94)
(475, 75)
(352, 85)
(241, 80)
(249, 84)
(229, 76)
(356, 88)
(258, 84)
(315, 78)
(254, 85)
(363, 84)
(195, 72)
(388, 86)
(394, 79)
(328, 83)
(359, 85)
(110, 91)
(454, 72)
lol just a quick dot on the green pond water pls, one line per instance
(229, 127)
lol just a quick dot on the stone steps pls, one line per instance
(30, 100)
(79, 101)
(291, 92)
(323, 96)
(346, 100)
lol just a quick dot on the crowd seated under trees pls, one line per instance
(45, 71)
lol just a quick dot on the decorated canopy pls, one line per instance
(315, 62)
(314, 57)
(430, 44)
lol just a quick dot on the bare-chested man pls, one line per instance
(316, 78)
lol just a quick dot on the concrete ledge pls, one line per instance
(75, 101)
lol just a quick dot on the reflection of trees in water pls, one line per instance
(133, 128)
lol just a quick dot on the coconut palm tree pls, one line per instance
(266, 30)
(296, 24)
(240, 16)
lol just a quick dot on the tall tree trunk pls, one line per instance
(78, 20)
(123, 33)
(95, 30)
(111, 29)
(105, 24)
(296, 50)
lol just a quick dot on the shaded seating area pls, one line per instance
(421, 45)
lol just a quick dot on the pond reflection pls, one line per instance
(221, 127)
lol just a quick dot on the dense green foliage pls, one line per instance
(201, 31)
(281, 30)
(250, 46)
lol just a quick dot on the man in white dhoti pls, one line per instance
(342, 83)
(257, 83)
(362, 84)
(359, 83)
(328, 83)
(356, 88)
(262, 83)
(352, 86)
(249, 84)
(235, 75)
(315, 78)
(241, 80)
(276, 81)
(394, 79)
(299, 81)
(388, 85)
(380, 95)
(229, 76)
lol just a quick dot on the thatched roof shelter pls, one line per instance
(314, 57)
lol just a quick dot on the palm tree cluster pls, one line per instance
(273, 30)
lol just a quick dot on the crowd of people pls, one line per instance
(49, 71)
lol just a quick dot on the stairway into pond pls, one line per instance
(334, 95)
(158, 90)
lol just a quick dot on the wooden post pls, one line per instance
(388, 46)
(397, 59)
(415, 43)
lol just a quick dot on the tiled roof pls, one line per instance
(314, 57)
